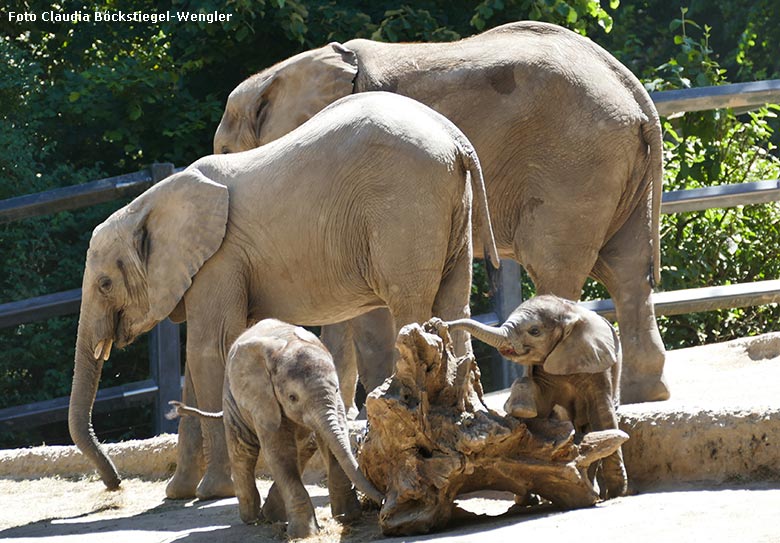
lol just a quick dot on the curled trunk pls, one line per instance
(332, 428)
(493, 336)
(86, 375)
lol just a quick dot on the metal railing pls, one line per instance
(165, 381)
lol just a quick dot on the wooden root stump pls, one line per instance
(430, 439)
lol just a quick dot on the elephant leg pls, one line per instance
(573, 259)
(189, 451)
(344, 504)
(625, 269)
(452, 300)
(243, 450)
(213, 324)
(339, 340)
(281, 458)
(598, 404)
(306, 445)
(374, 334)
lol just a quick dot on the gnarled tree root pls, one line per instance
(430, 438)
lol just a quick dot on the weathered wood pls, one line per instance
(430, 438)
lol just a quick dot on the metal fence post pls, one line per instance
(165, 361)
(507, 297)
(164, 349)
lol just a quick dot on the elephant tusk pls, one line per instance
(98, 354)
(107, 349)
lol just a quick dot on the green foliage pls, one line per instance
(715, 246)
(81, 101)
(578, 15)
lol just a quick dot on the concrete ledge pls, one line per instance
(722, 425)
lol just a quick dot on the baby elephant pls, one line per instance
(280, 385)
(576, 361)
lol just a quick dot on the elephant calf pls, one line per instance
(575, 361)
(280, 385)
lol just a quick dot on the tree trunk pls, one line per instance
(430, 440)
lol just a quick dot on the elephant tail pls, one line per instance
(181, 410)
(481, 214)
(651, 131)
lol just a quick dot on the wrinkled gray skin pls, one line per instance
(574, 357)
(366, 205)
(570, 144)
(280, 386)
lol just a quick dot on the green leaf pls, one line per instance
(73, 96)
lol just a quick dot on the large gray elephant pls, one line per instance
(280, 386)
(575, 359)
(570, 144)
(369, 204)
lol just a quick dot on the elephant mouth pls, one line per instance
(512, 353)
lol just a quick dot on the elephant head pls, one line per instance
(556, 333)
(139, 264)
(275, 101)
(299, 373)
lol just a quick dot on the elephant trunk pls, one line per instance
(493, 336)
(330, 424)
(86, 375)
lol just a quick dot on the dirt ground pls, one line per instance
(735, 377)
(60, 510)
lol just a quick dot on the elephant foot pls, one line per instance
(273, 507)
(649, 389)
(346, 507)
(521, 403)
(215, 485)
(182, 485)
(301, 529)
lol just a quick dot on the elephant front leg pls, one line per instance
(189, 451)
(214, 321)
(281, 458)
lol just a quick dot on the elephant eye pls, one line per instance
(293, 398)
(535, 331)
(105, 284)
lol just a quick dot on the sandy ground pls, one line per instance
(734, 376)
(58, 510)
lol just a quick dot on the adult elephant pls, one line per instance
(317, 227)
(570, 144)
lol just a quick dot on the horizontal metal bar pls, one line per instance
(73, 197)
(48, 411)
(696, 300)
(491, 319)
(721, 196)
(40, 308)
(736, 95)
(83, 195)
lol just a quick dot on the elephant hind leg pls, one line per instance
(243, 451)
(452, 300)
(625, 268)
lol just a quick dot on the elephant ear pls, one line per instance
(303, 85)
(589, 345)
(183, 222)
(251, 364)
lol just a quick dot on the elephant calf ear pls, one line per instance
(186, 218)
(589, 345)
